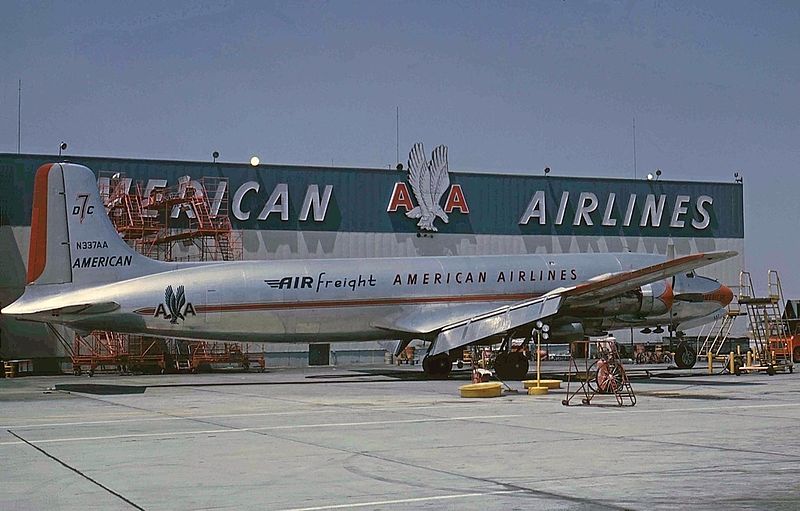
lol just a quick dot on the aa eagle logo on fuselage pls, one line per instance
(176, 306)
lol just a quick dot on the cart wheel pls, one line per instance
(585, 401)
(771, 370)
(565, 402)
(791, 369)
(591, 378)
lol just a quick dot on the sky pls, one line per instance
(713, 86)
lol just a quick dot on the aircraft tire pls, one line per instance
(511, 366)
(685, 356)
(437, 366)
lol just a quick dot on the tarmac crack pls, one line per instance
(77, 471)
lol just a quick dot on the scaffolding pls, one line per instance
(100, 350)
(105, 351)
(164, 222)
(188, 221)
(203, 354)
(123, 202)
(769, 329)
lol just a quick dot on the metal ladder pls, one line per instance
(769, 328)
(721, 330)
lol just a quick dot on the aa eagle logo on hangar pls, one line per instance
(429, 180)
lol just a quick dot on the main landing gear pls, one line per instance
(437, 366)
(511, 366)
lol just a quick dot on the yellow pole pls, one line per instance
(710, 363)
(731, 364)
(538, 358)
(749, 358)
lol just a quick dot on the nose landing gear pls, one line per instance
(685, 355)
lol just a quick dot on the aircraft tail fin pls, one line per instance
(72, 238)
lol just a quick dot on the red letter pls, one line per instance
(400, 198)
(456, 200)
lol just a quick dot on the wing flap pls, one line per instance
(495, 322)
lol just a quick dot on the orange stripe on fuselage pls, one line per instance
(364, 302)
(37, 251)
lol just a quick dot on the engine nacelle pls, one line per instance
(649, 300)
(656, 298)
(567, 333)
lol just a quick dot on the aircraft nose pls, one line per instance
(723, 295)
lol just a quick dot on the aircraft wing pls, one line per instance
(510, 317)
(606, 286)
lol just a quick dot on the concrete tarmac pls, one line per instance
(383, 438)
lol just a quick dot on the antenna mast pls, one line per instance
(397, 135)
(19, 115)
(634, 148)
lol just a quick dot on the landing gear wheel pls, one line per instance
(685, 356)
(437, 366)
(511, 366)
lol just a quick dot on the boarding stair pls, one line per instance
(770, 333)
(720, 330)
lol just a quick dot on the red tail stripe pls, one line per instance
(37, 251)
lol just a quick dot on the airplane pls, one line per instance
(83, 275)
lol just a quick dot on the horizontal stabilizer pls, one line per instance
(85, 309)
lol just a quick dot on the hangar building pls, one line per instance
(286, 211)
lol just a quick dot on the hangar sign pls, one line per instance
(429, 181)
(650, 212)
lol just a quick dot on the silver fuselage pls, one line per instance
(340, 300)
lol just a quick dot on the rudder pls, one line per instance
(72, 238)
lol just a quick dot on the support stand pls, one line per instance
(605, 375)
